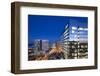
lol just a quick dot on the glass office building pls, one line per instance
(74, 41)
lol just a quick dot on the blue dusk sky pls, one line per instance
(51, 27)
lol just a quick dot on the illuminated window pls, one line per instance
(74, 28)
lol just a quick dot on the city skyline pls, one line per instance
(57, 37)
(51, 27)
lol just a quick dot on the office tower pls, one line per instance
(65, 41)
(37, 45)
(40, 46)
(45, 45)
(74, 41)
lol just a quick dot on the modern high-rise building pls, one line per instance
(45, 45)
(74, 41)
(40, 46)
(37, 46)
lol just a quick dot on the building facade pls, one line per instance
(45, 45)
(74, 41)
(40, 46)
